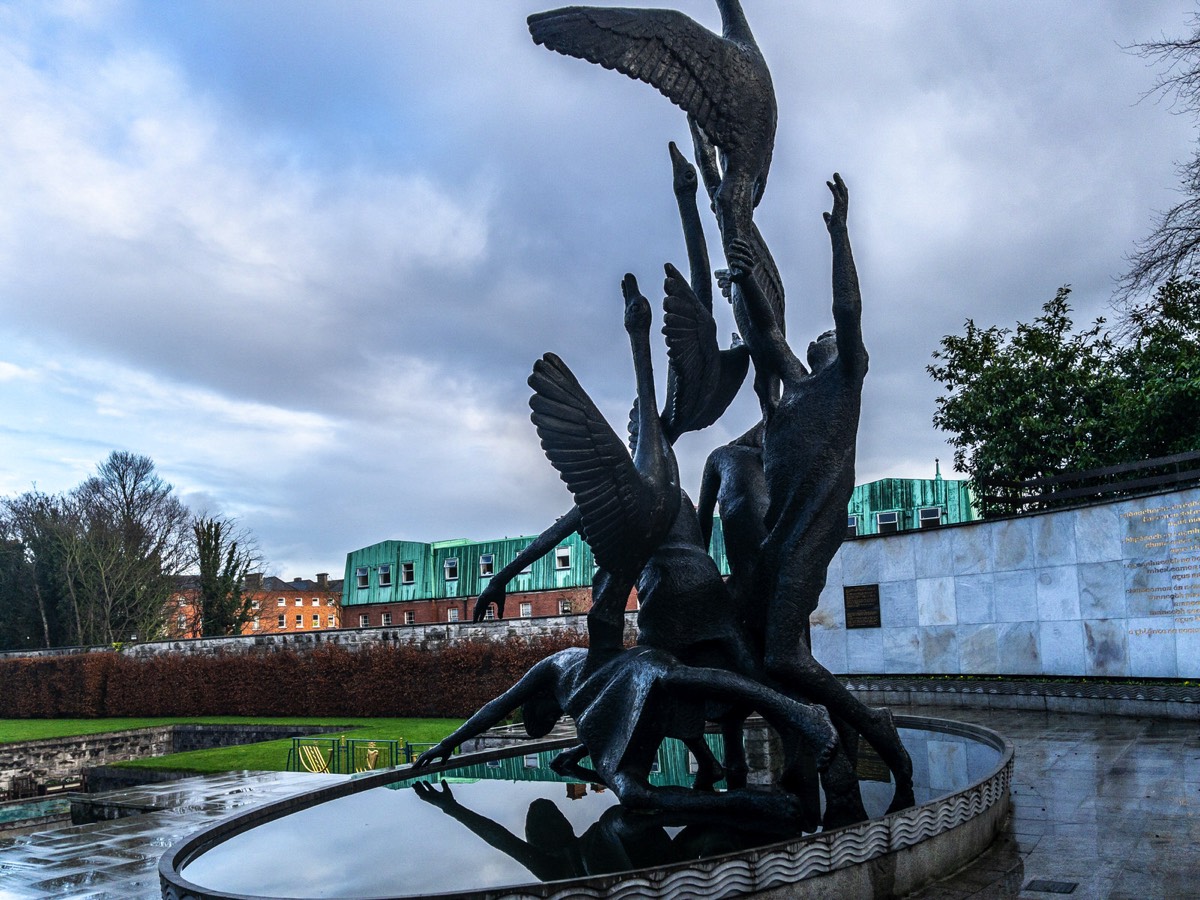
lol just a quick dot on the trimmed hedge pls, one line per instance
(393, 681)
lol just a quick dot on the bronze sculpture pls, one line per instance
(707, 650)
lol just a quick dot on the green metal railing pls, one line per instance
(349, 756)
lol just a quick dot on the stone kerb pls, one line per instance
(1108, 590)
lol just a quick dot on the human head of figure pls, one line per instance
(540, 714)
(822, 351)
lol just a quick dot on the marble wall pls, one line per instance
(1111, 589)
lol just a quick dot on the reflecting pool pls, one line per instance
(514, 820)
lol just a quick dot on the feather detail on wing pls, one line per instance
(685, 61)
(590, 459)
(692, 349)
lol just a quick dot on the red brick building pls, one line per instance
(276, 606)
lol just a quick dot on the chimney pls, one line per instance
(254, 581)
(323, 581)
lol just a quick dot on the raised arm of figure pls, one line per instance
(497, 588)
(768, 347)
(847, 301)
(539, 679)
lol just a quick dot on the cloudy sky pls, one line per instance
(303, 254)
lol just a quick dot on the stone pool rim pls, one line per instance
(897, 853)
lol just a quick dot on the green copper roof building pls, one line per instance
(392, 571)
(395, 571)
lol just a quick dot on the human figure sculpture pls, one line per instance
(626, 702)
(706, 650)
(808, 462)
(733, 480)
(721, 81)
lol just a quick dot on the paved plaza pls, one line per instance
(1104, 807)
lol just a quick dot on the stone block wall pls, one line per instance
(1105, 590)
(67, 757)
(430, 636)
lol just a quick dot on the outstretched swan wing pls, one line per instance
(686, 62)
(591, 460)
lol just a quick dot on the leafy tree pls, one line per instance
(224, 558)
(42, 530)
(1044, 399)
(1026, 403)
(1160, 369)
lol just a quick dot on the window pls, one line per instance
(281, 602)
(451, 567)
(452, 615)
(282, 622)
(183, 621)
(254, 625)
(564, 607)
(299, 601)
(929, 517)
(410, 617)
(361, 576)
(364, 620)
(299, 620)
(487, 565)
(493, 764)
(385, 576)
(316, 601)
(407, 575)
(490, 613)
(254, 604)
(888, 522)
(329, 601)
(526, 610)
(387, 618)
(851, 526)
(527, 570)
(562, 558)
(330, 622)
(531, 761)
(316, 620)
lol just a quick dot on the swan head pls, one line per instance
(685, 181)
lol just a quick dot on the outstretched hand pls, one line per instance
(438, 753)
(725, 283)
(442, 799)
(740, 257)
(841, 201)
(495, 592)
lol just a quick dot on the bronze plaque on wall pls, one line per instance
(862, 605)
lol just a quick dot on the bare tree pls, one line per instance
(132, 541)
(1172, 251)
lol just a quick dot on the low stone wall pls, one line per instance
(68, 757)
(1155, 701)
(442, 634)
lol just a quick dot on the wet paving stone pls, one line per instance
(1107, 804)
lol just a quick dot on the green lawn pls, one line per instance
(269, 755)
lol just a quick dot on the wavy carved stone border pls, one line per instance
(883, 857)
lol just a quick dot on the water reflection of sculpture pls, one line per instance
(704, 651)
(619, 841)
